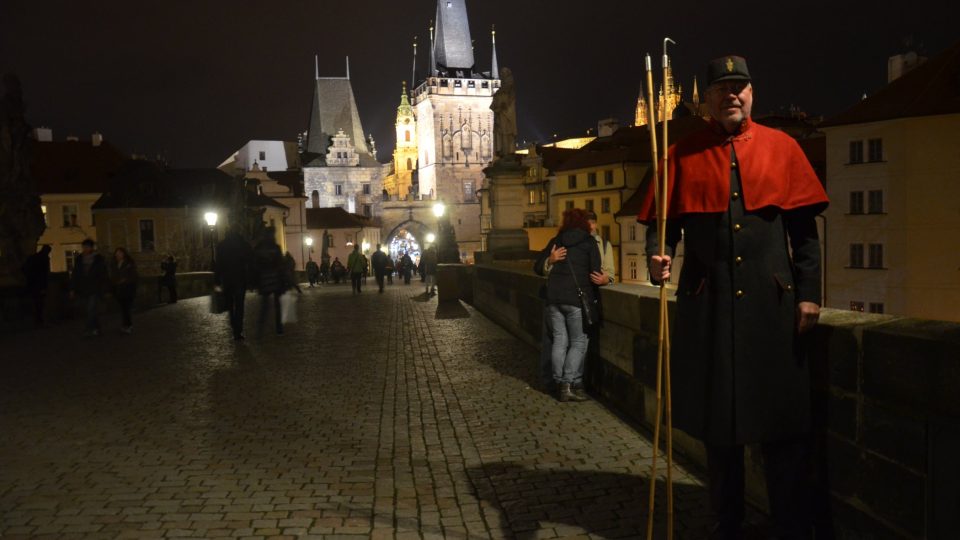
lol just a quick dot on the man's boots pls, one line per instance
(564, 393)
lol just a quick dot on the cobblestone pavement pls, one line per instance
(376, 416)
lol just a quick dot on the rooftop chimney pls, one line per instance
(73, 138)
(43, 134)
(96, 139)
(901, 64)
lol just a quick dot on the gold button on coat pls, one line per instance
(736, 195)
(737, 227)
(740, 294)
(739, 260)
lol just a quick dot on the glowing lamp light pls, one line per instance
(308, 241)
(439, 209)
(211, 219)
(431, 237)
(365, 246)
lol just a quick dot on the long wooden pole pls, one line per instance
(655, 166)
(664, 314)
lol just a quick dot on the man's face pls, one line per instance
(86, 249)
(593, 226)
(730, 102)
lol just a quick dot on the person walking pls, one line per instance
(390, 269)
(290, 273)
(168, 279)
(313, 272)
(744, 199)
(36, 272)
(337, 271)
(88, 284)
(379, 260)
(356, 265)
(568, 293)
(124, 278)
(428, 268)
(271, 278)
(406, 263)
(232, 270)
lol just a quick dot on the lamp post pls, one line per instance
(308, 241)
(439, 209)
(211, 219)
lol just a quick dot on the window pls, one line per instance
(592, 179)
(875, 201)
(856, 202)
(569, 205)
(876, 307)
(468, 189)
(856, 151)
(409, 164)
(330, 240)
(632, 266)
(876, 256)
(632, 233)
(543, 196)
(338, 189)
(366, 188)
(856, 306)
(70, 212)
(315, 199)
(70, 256)
(406, 135)
(856, 255)
(263, 155)
(589, 205)
(608, 178)
(146, 235)
(605, 205)
(572, 181)
(531, 196)
(367, 210)
(605, 232)
(43, 208)
(875, 150)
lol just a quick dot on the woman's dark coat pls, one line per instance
(583, 258)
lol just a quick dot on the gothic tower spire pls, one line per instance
(454, 48)
(494, 68)
(696, 94)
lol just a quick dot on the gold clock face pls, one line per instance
(406, 121)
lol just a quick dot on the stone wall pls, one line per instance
(887, 414)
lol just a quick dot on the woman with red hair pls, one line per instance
(569, 289)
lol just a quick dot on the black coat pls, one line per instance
(270, 266)
(234, 264)
(739, 374)
(583, 258)
(90, 280)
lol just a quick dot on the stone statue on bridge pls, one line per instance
(21, 218)
(504, 109)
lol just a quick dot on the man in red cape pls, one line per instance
(743, 198)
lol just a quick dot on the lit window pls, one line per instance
(70, 215)
(605, 205)
(468, 189)
(531, 196)
(856, 306)
(572, 181)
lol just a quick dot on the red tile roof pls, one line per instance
(930, 89)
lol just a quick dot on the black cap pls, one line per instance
(591, 215)
(727, 68)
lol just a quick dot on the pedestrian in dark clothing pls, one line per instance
(313, 272)
(290, 272)
(568, 289)
(325, 270)
(88, 283)
(380, 262)
(271, 278)
(168, 279)
(389, 270)
(428, 268)
(36, 271)
(407, 268)
(124, 278)
(337, 271)
(232, 270)
(744, 198)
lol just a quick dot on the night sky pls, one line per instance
(196, 79)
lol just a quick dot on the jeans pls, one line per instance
(380, 276)
(546, 348)
(569, 343)
(91, 304)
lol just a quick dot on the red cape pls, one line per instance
(773, 172)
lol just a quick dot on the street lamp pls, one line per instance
(439, 209)
(308, 241)
(364, 247)
(211, 219)
(431, 237)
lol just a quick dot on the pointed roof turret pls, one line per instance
(334, 109)
(494, 68)
(696, 93)
(404, 109)
(453, 46)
